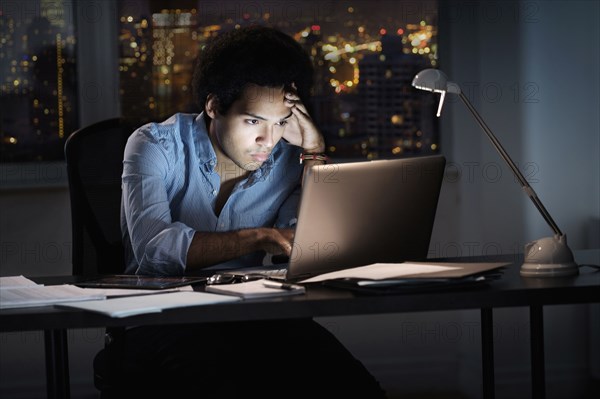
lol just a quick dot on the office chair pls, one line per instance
(94, 156)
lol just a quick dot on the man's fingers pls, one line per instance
(285, 240)
(301, 113)
(282, 248)
(280, 242)
(291, 100)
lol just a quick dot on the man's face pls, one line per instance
(252, 126)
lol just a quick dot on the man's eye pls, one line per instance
(282, 123)
(252, 121)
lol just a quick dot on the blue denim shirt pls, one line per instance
(170, 187)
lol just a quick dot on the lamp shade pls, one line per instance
(435, 81)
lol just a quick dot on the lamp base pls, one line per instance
(549, 257)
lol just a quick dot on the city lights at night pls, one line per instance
(364, 56)
(38, 86)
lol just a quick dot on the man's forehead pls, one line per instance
(256, 93)
(264, 103)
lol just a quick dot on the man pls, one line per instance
(222, 188)
(206, 189)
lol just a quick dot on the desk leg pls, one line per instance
(57, 364)
(538, 374)
(487, 352)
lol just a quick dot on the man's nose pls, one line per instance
(265, 138)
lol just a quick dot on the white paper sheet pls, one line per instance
(118, 292)
(381, 271)
(253, 289)
(16, 282)
(40, 295)
(135, 305)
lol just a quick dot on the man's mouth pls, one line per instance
(260, 156)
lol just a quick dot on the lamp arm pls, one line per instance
(526, 186)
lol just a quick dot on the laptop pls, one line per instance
(358, 213)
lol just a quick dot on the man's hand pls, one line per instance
(208, 249)
(277, 241)
(301, 130)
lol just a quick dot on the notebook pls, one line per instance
(257, 289)
(359, 213)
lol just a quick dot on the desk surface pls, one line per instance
(319, 301)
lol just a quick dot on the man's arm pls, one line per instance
(302, 132)
(208, 249)
(159, 244)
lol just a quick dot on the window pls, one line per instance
(38, 85)
(365, 54)
(351, 42)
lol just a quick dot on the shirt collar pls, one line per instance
(204, 149)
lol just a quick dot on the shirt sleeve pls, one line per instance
(159, 245)
(287, 216)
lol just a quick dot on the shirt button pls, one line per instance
(214, 192)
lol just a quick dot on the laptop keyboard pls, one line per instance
(275, 274)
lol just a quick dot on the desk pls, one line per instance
(510, 291)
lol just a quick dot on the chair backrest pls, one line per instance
(94, 156)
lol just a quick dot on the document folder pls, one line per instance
(412, 277)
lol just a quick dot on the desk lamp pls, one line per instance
(546, 257)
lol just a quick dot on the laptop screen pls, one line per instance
(358, 213)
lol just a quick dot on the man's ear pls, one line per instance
(211, 106)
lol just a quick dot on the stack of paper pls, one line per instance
(18, 292)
